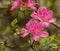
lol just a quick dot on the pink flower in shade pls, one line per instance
(18, 3)
(30, 4)
(35, 29)
(44, 16)
(24, 32)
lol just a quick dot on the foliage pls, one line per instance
(13, 21)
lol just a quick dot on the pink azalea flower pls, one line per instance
(18, 3)
(35, 29)
(30, 4)
(24, 32)
(44, 16)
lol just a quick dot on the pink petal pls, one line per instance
(30, 4)
(42, 26)
(46, 24)
(29, 0)
(14, 5)
(20, 4)
(52, 20)
(50, 13)
(34, 15)
(42, 10)
(31, 25)
(24, 32)
(36, 38)
(44, 34)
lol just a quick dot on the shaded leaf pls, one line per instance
(13, 23)
(6, 30)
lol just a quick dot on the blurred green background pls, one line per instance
(12, 21)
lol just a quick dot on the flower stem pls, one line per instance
(56, 25)
(32, 46)
(24, 14)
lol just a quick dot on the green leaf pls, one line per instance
(42, 41)
(50, 38)
(6, 30)
(2, 47)
(13, 23)
(46, 40)
(1, 42)
(53, 45)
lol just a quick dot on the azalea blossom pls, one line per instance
(19, 3)
(44, 16)
(35, 29)
(30, 4)
(16, 3)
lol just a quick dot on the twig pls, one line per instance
(56, 25)
(32, 46)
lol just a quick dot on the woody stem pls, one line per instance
(32, 46)
(56, 25)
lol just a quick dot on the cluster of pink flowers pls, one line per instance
(34, 27)
(19, 3)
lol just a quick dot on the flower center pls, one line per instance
(23, 8)
(45, 19)
(36, 31)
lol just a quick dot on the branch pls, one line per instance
(32, 46)
(56, 25)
